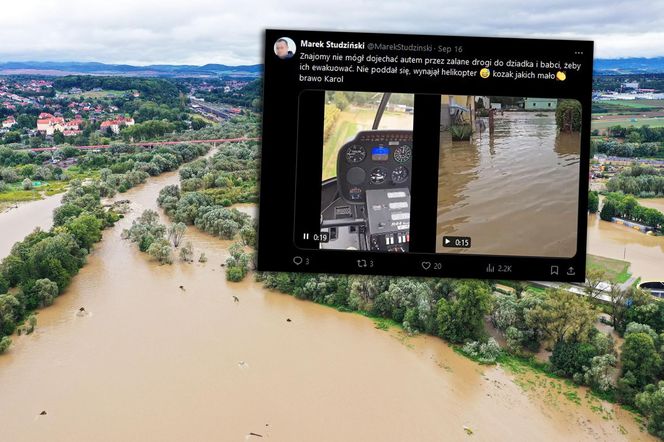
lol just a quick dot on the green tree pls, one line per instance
(187, 252)
(160, 249)
(462, 318)
(609, 210)
(145, 230)
(58, 137)
(651, 403)
(593, 283)
(237, 264)
(340, 100)
(563, 316)
(86, 230)
(32, 322)
(568, 115)
(569, 358)
(593, 201)
(45, 291)
(12, 137)
(27, 184)
(5, 342)
(640, 357)
(176, 233)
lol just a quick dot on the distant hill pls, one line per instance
(58, 68)
(629, 65)
(92, 68)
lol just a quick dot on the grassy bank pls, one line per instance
(616, 269)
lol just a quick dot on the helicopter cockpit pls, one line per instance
(367, 205)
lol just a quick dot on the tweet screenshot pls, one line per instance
(422, 155)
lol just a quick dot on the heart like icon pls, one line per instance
(297, 260)
(426, 265)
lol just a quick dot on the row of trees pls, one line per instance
(616, 148)
(41, 266)
(452, 309)
(619, 205)
(557, 319)
(638, 180)
(643, 134)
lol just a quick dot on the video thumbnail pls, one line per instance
(508, 176)
(367, 157)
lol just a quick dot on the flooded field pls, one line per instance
(644, 252)
(513, 192)
(151, 361)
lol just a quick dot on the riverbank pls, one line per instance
(163, 363)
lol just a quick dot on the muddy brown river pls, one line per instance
(514, 192)
(151, 361)
(16, 223)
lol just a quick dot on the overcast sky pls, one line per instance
(144, 32)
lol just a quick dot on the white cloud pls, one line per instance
(210, 31)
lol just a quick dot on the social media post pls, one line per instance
(508, 177)
(393, 171)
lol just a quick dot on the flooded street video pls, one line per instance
(508, 175)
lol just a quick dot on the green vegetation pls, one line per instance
(627, 207)
(121, 167)
(208, 187)
(568, 115)
(150, 235)
(593, 201)
(614, 269)
(630, 122)
(155, 89)
(237, 264)
(612, 147)
(642, 181)
(41, 266)
(651, 403)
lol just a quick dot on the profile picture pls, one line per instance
(284, 47)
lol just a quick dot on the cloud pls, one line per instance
(209, 31)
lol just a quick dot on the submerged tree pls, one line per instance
(187, 252)
(5, 342)
(176, 233)
(161, 250)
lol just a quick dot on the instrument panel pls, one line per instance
(376, 159)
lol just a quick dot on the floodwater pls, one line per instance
(644, 252)
(514, 192)
(653, 203)
(153, 361)
(18, 222)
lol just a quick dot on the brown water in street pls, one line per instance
(514, 192)
(153, 362)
